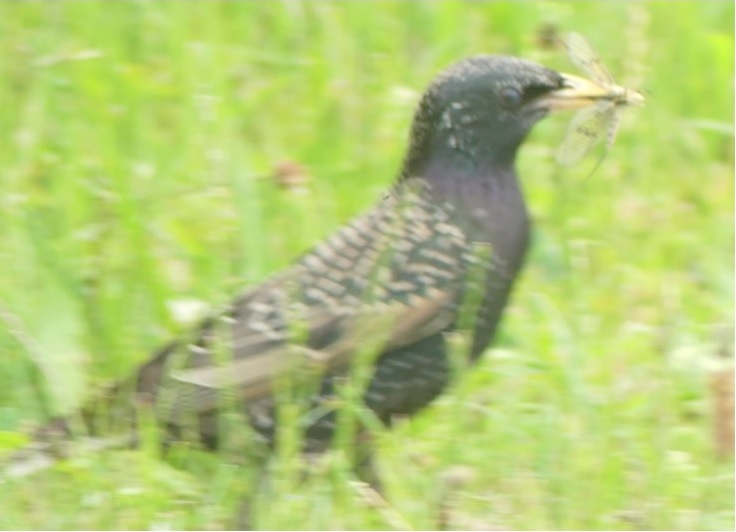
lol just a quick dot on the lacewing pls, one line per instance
(592, 123)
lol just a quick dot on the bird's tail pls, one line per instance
(107, 421)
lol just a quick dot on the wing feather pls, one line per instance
(401, 272)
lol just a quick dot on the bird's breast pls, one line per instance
(494, 212)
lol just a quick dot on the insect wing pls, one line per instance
(585, 130)
(612, 129)
(586, 59)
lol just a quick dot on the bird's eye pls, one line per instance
(510, 97)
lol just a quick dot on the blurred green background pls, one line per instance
(138, 145)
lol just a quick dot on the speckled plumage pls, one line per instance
(405, 260)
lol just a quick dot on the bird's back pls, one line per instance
(393, 279)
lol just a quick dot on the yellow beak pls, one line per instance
(580, 92)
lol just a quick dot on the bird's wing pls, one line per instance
(391, 278)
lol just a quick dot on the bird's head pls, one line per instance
(480, 109)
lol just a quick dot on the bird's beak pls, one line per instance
(579, 92)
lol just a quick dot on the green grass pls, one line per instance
(131, 136)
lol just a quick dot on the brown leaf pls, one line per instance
(290, 175)
(722, 394)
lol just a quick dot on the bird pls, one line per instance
(450, 233)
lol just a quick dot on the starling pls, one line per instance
(396, 277)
